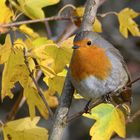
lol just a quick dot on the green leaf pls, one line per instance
(109, 119)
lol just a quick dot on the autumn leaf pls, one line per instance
(24, 129)
(53, 82)
(6, 15)
(5, 50)
(77, 96)
(109, 119)
(27, 30)
(127, 23)
(33, 8)
(50, 55)
(34, 100)
(14, 70)
(97, 27)
(51, 99)
(64, 52)
(38, 50)
(80, 11)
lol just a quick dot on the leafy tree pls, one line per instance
(26, 59)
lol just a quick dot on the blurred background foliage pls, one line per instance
(130, 48)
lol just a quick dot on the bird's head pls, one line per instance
(85, 39)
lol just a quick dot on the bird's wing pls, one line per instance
(116, 52)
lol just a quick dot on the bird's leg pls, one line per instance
(107, 97)
(87, 107)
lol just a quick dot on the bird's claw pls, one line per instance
(107, 98)
(87, 108)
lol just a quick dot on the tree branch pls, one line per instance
(86, 109)
(90, 14)
(62, 111)
(61, 114)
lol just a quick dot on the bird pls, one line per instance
(97, 67)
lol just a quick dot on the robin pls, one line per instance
(97, 67)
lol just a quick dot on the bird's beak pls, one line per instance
(75, 47)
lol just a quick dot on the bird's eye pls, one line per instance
(89, 43)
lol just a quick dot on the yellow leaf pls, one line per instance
(109, 119)
(56, 83)
(14, 70)
(61, 55)
(6, 15)
(51, 100)
(19, 44)
(34, 100)
(46, 69)
(127, 23)
(33, 8)
(77, 96)
(48, 52)
(97, 27)
(38, 50)
(5, 50)
(27, 30)
(24, 129)
(80, 11)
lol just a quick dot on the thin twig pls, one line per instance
(77, 115)
(133, 117)
(36, 84)
(15, 108)
(14, 24)
(1, 123)
(68, 31)
(20, 14)
(48, 29)
(66, 6)
(107, 13)
(132, 82)
(35, 21)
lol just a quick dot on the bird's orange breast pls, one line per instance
(87, 61)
